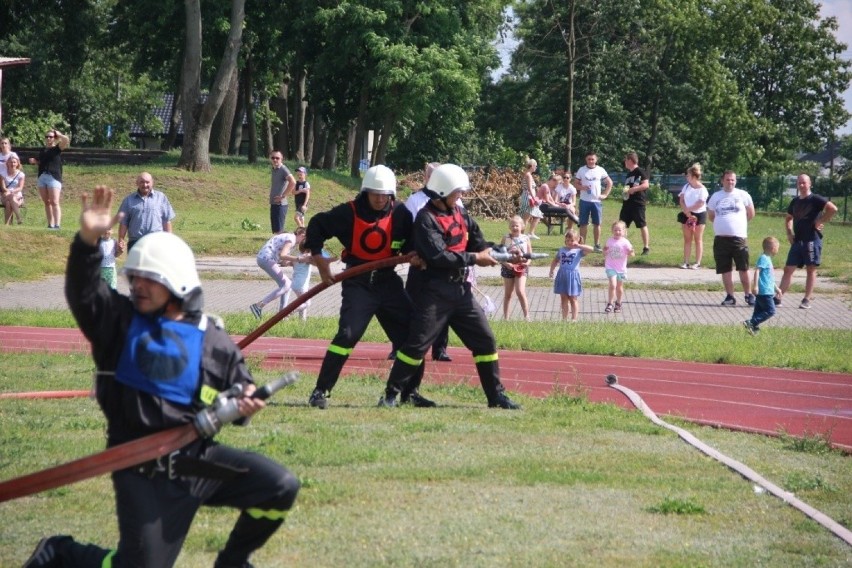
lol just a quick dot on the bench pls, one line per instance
(554, 219)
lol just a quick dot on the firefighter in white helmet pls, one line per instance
(449, 242)
(371, 227)
(160, 361)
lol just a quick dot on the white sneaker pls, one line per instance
(685, 266)
(696, 266)
(534, 237)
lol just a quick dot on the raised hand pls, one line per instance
(96, 216)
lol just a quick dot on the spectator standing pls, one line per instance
(6, 153)
(528, 203)
(301, 196)
(144, 387)
(448, 241)
(588, 181)
(730, 209)
(617, 250)
(515, 273)
(12, 182)
(763, 287)
(568, 283)
(272, 255)
(373, 226)
(693, 215)
(635, 198)
(281, 186)
(805, 220)
(145, 211)
(108, 253)
(50, 176)
(414, 204)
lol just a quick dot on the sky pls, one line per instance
(840, 9)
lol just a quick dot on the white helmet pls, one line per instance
(164, 258)
(446, 179)
(379, 179)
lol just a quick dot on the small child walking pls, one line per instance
(568, 284)
(109, 252)
(301, 196)
(515, 275)
(763, 287)
(616, 250)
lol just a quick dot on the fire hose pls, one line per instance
(742, 469)
(206, 423)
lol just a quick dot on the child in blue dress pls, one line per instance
(567, 283)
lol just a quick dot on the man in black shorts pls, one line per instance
(806, 216)
(635, 198)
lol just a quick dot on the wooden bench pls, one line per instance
(555, 219)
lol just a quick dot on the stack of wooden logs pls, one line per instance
(494, 191)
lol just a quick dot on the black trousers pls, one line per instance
(379, 294)
(441, 303)
(412, 285)
(155, 512)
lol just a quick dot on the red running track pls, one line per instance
(753, 399)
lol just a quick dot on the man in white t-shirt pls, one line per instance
(730, 209)
(588, 181)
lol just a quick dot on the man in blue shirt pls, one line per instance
(145, 211)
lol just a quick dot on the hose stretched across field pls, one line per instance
(818, 516)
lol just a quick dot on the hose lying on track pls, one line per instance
(820, 517)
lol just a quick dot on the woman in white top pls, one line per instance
(693, 216)
(12, 189)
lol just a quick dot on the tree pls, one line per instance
(198, 116)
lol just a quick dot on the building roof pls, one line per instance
(164, 113)
(10, 61)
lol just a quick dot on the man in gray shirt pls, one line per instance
(283, 184)
(145, 211)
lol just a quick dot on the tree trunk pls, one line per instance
(174, 122)
(380, 143)
(300, 105)
(281, 140)
(572, 60)
(329, 161)
(358, 141)
(309, 135)
(320, 141)
(267, 127)
(220, 135)
(237, 126)
(198, 118)
(248, 79)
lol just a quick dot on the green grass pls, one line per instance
(827, 348)
(561, 483)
